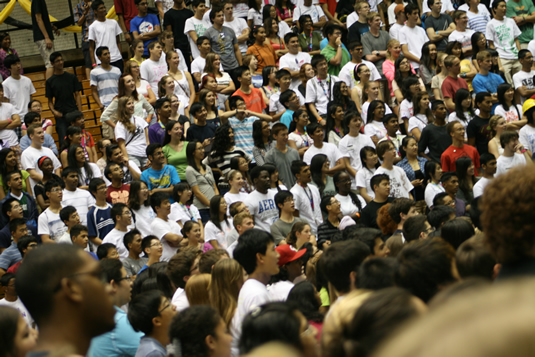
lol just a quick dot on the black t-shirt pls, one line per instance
(345, 8)
(368, 216)
(436, 139)
(201, 133)
(39, 188)
(62, 88)
(39, 7)
(177, 20)
(356, 31)
(439, 24)
(479, 129)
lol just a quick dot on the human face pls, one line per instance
(404, 65)
(11, 160)
(80, 155)
(219, 344)
(455, 66)
(76, 138)
(245, 77)
(373, 90)
(270, 259)
(237, 181)
(117, 173)
(155, 248)
(501, 9)
(199, 152)
(380, 250)
(124, 288)
(424, 102)
(437, 6)
(47, 166)
(126, 216)
(317, 134)
(452, 186)
(334, 207)
(364, 73)
(509, 94)
(185, 195)
(165, 207)
(357, 51)
(288, 205)
(231, 136)
(195, 232)
(205, 47)
(305, 176)
(471, 168)
(219, 18)
(293, 44)
(134, 67)
(165, 110)
(266, 131)
(486, 64)
(263, 182)
(105, 56)
(282, 137)
(16, 67)
(462, 21)
(392, 126)
(343, 183)
(100, 194)
(140, 49)
(395, 50)
(36, 107)
(228, 11)
(21, 231)
(414, 16)
(303, 237)
(432, 51)
(55, 194)
(440, 112)
(176, 132)
(117, 156)
(302, 120)
(338, 114)
(74, 219)
(273, 12)
(58, 63)
(25, 337)
(169, 42)
(379, 112)
(156, 51)
(458, 132)
(71, 181)
(246, 224)
(486, 104)
(438, 173)
(309, 71)
(130, 107)
(81, 239)
(490, 167)
(285, 82)
(243, 165)
(101, 11)
(322, 68)
(6, 42)
(16, 210)
(383, 188)
(466, 103)
(371, 159)
(335, 35)
(129, 83)
(210, 99)
(38, 136)
(500, 125)
(158, 157)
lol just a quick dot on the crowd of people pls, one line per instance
(300, 177)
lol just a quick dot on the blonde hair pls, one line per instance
(493, 121)
(164, 36)
(123, 116)
(168, 56)
(209, 67)
(246, 60)
(389, 46)
(227, 280)
(161, 86)
(440, 59)
(197, 289)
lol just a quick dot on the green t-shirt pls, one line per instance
(329, 53)
(522, 8)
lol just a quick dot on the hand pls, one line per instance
(127, 37)
(416, 183)
(56, 31)
(338, 41)
(519, 148)
(518, 19)
(49, 43)
(58, 114)
(206, 142)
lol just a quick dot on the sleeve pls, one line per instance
(167, 20)
(210, 232)
(259, 159)
(182, 64)
(471, 129)
(250, 205)
(445, 162)
(522, 137)
(91, 33)
(93, 78)
(276, 233)
(144, 71)
(320, 11)
(190, 177)
(476, 159)
(272, 104)
(413, 123)
(338, 154)
(25, 142)
(517, 81)
(42, 225)
(111, 109)
(174, 175)
(406, 182)
(118, 6)
(189, 26)
(367, 46)
(425, 74)
(402, 37)
(478, 84)
(117, 28)
(134, 25)
(490, 33)
(91, 225)
(297, 14)
(311, 92)
(27, 162)
(250, 14)
(32, 88)
(516, 30)
(447, 89)
(424, 141)
(120, 132)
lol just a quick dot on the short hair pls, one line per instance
(456, 231)
(196, 107)
(55, 55)
(30, 117)
(376, 273)
(281, 197)
(496, 2)
(284, 98)
(354, 44)
(151, 148)
(482, 55)
(317, 59)
(33, 127)
(10, 60)
(435, 103)
(377, 179)
(448, 176)
(413, 227)
(209, 258)
(112, 269)
(451, 125)
(233, 208)
(410, 8)
(389, 117)
(233, 101)
(102, 250)
(73, 116)
(330, 28)
(94, 183)
(474, 259)
(96, 4)
(101, 49)
(66, 212)
(289, 36)
(325, 201)
(6, 205)
(457, 14)
(252, 242)
(398, 206)
(297, 166)
(313, 127)
(201, 39)
(146, 242)
(117, 210)
(38, 278)
(238, 218)
(521, 54)
(143, 308)
(448, 61)
(179, 266)
(68, 170)
(160, 102)
(107, 169)
(157, 199)
(481, 96)
(438, 200)
(16, 223)
(423, 266)
(238, 72)
(486, 157)
(256, 171)
(508, 136)
(372, 15)
(383, 147)
(340, 260)
(78, 229)
(215, 9)
(129, 237)
(439, 215)
(24, 242)
(278, 127)
(51, 184)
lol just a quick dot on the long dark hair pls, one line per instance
(278, 5)
(371, 109)
(426, 57)
(406, 87)
(398, 77)
(266, 72)
(342, 100)
(133, 197)
(316, 168)
(416, 105)
(353, 196)
(475, 39)
(331, 110)
(221, 141)
(214, 211)
(430, 168)
(71, 160)
(295, 117)
(3, 167)
(364, 154)
(9, 320)
(461, 165)
(253, 5)
(461, 95)
(168, 127)
(71, 130)
(451, 45)
(502, 88)
(303, 296)
(258, 137)
(190, 153)
(266, 12)
(253, 33)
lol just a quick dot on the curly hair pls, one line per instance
(385, 222)
(509, 229)
(221, 141)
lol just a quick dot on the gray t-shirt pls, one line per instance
(281, 229)
(283, 163)
(439, 24)
(223, 44)
(132, 266)
(371, 43)
(205, 182)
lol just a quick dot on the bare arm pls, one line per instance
(450, 105)
(197, 192)
(319, 25)
(173, 239)
(364, 193)
(45, 238)
(314, 112)
(350, 170)
(336, 60)
(94, 93)
(410, 56)
(92, 51)
(122, 25)
(340, 166)
(41, 25)
(149, 35)
(237, 52)
(122, 146)
(244, 35)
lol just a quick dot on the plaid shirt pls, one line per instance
(404, 164)
(89, 18)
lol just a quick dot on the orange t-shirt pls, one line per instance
(265, 55)
(254, 100)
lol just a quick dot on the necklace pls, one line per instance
(304, 138)
(309, 41)
(328, 80)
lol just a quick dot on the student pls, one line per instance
(25, 142)
(527, 133)
(391, 125)
(42, 32)
(25, 244)
(435, 137)
(282, 227)
(399, 183)
(107, 251)
(198, 64)
(276, 106)
(307, 198)
(217, 229)
(291, 103)
(74, 196)
(488, 169)
(450, 182)
(154, 67)
(350, 204)
(223, 40)
(438, 25)
(117, 191)
(336, 158)
(330, 207)
(29, 206)
(478, 130)
(50, 225)
(122, 217)
(257, 255)
(500, 32)
(433, 173)
(294, 59)
(523, 79)
(165, 229)
(282, 156)
(464, 111)
(334, 53)
(462, 33)
(105, 32)
(507, 109)
(486, 81)
(368, 158)
(153, 249)
(11, 255)
(253, 98)
(133, 244)
(70, 218)
(319, 90)
(260, 202)
(99, 221)
(238, 24)
(412, 37)
(200, 130)
(11, 209)
(163, 111)
(104, 79)
(375, 42)
(458, 148)
(314, 11)
(145, 26)
(351, 145)
(18, 89)
(453, 82)
(514, 153)
(347, 73)
(159, 177)
(242, 125)
(358, 28)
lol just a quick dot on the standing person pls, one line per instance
(223, 41)
(132, 242)
(294, 59)
(238, 24)
(375, 42)
(307, 197)
(74, 196)
(84, 16)
(462, 33)
(336, 158)
(282, 156)
(500, 32)
(485, 80)
(398, 19)
(334, 53)
(252, 97)
(414, 167)
(435, 137)
(104, 79)
(63, 93)
(458, 148)
(195, 26)
(261, 202)
(478, 130)
(145, 26)
(122, 218)
(412, 37)
(159, 177)
(400, 186)
(49, 225)
(488, 169)
(512, 113)
(347, 73)
(264, 52)
(433, 173)
(523, 14)
(126, 10)
(131, 132)
(453, 82)
(380, 184)
(175, 20)
(155, 67)
(360, 26)
(139, 203)
(319, 91)
(162, 227)
(478, 16)
(99, 222)
(105, 32)
(438, 26)
(242, 125)
(523, 79)
(42, 33)
(514, 153)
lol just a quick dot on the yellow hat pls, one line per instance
(528, 104)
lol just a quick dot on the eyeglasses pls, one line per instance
(123, 278)
(127, 214)
(156, 245)
(165, 307)
(56, 190)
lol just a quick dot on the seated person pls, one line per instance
(25, 141)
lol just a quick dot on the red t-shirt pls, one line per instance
(451, 154)
(253, 100)
(13, 269)
(450, 86)
(128, 9)
(115, 195)
(331, 4)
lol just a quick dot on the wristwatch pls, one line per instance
(377, 53)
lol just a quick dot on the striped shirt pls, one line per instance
(106, 82)
(10, 256)
(99, 221)
(478, 22)
(223, 162)
(243, 133)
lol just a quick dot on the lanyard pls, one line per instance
(310, 197)
(309, 42)
(187, 210)
(304, 138)
(328, 86)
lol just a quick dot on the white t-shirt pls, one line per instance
(238, 25)
(182, 213)
(50, 223)
(301, 140)
(136, 143)
(394, 30)
(255, 16)
(160, 228)
(230, 198)
(302, 198)
(263, 209)
(8, 135)
(152, 72)
(18, 92)
(391, 14)
(315, 12)
(198, 64)
(522, 78)
(400, 186)
(446, 6)
(350, 146)
(328, 149)
(480, 185)
(465, 38)
(80, 199)
(105, 34)
(143, 217)
(418, 121)
(364, 176)
(18, 305)
(431, 190)
(211, 232)
(294, 63)
(347, 73)
(453, 117)
(276, 106)
(116, 237)
(347, 207)
(406, 110)
(414, 38)
(132, 165)
(280, 290)
(94, 170)
(504, 164)
(511, 115)
(180, 300)
(375, 128)
(352, 18)
(503, 33)
(199, 26)
(321, 92)
(31, 155)
(526, 136)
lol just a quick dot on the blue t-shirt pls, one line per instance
(488, 83)
(164, 178)
(145, 25)
(10, 256)
(287, 118)
(99, 221)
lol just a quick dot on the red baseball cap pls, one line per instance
(288, 254)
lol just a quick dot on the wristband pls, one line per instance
(523, 151)
(437, 32)
(9, 120)
(94, 65)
